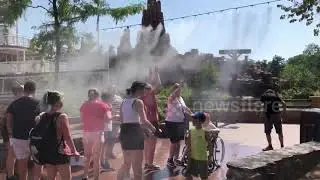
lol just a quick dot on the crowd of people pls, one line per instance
(40, 130)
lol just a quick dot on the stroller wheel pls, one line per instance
(184, 171)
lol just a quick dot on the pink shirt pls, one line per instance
(151, 106)
(92, 115)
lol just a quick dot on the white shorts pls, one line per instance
(92, 142)
(21, 148)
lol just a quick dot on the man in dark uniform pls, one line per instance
(272, 114)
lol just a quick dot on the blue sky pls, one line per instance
(258, 28)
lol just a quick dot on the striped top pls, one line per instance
(116, 103)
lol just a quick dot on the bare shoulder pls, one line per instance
(139, 102)
(63, 116)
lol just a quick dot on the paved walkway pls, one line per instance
(240, 140)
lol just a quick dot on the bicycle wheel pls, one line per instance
(219, 151)
(184, 158)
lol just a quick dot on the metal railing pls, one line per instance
(30, 66)
(12, 40)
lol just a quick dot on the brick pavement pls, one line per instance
(240, 139)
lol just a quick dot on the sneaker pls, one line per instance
(268, 148)
(151, 167)
(178, 162)
(170, 163)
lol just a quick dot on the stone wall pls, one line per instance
(293, 116)
(288, 163)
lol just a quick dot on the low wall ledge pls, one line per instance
(287, 163)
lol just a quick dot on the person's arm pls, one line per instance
(157, 84)
(173, 95)
(108, 114)
(63, 125)
(140, 109)
(284, 107)
(9, 124)
(186, 110)
(121, 114)
(9, 117)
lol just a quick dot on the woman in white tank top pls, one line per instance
(133, 122)
(176, 123)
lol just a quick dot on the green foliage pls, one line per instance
(309, 59)
(12, 10)
(87, 42)
(208, 74)
(43, 43)
(311, 49)
(64, 14)
(276, 65)
(306, 11)
(302, 81)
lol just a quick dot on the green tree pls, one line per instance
(12, 10)
(303, 82)
(309, 59)
(43, 43)
(306, 11)
(87, 42)
(208, 74)
(311, 49)
(276, 65)
(65, 13)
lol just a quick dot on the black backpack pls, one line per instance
(43, 139)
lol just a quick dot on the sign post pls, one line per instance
(234, 54)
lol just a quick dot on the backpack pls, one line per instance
(43, 139)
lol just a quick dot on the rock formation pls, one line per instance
(153, 16)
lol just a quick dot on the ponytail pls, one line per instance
(50, 98)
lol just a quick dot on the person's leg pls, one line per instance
(37, 172)
(23, 169)
(10, 162)
(115, 139)
(64, 171)
(146, 152)
(104, 151)
(51, 172)
(22, 153)
(137, 164)
(97, 147)
(203, 169)
(152, 149)
(278, 127)
(124, 170)
(267, 129)
(87, 145)
(177, 150)
(172, 133)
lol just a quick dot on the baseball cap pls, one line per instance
(199, 115)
